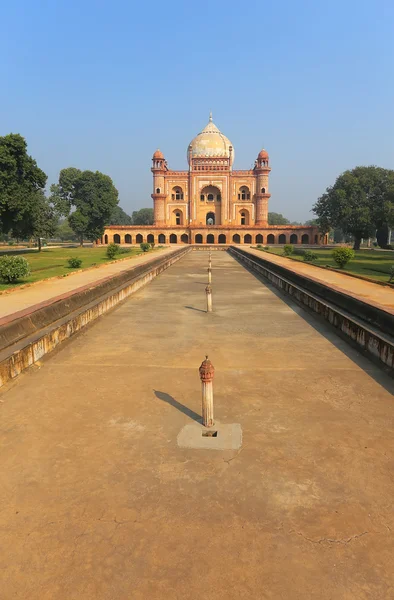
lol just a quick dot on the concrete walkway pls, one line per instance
(22, 299)
(381, 296)
(98, 501)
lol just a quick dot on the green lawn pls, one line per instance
(368, 263)
(52, 262)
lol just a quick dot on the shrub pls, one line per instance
(112, 250)
(342, 256)
(74, 262)
(124, 250)
(13, 268)
(259, 246)
(391, 274)
(288, 249)
(310, 256)
(10, 243)
(145, 247)
(266, 248)
(152, 245)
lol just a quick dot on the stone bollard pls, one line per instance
(209, 260)
(208, 291)
(209, 275)
(207, 372)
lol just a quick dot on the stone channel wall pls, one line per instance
(369, 328)
(26, 338)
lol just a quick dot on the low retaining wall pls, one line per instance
(28, 337)
(369, 328)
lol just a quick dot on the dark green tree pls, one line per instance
(119, 217)
(277, 219)
(90, 196)
(357, 203)
(22, 185)
(144, 216)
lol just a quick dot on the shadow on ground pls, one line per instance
(181, 407)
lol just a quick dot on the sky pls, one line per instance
(100, 85)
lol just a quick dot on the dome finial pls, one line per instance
(210, 117)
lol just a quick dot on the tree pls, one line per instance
(119, 217)
(64, 231)
(22, 185)
(357, 203)
(93, 197)
(144, 216)
(277, 219)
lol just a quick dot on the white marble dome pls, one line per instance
(211, 143)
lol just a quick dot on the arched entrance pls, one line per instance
(184, 238)
(236, 238)
(259, 238)
(293, 238)
(282, 239)
(210, 218)
(222, 238)
(305, 239)
(139, 239)
(247, 239)
(210, 238)
(116, 238)
(173, 239)
(316, 239)
(151, 238)
(162, 238)
(127, 238)
(106, 239)
(198, 238)
(271, 239)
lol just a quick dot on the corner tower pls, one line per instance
(159, 168)
(262, 171)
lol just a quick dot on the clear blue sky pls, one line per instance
(100, 85)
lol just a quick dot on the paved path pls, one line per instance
(372, 293)
(98, 502)
(45, 290)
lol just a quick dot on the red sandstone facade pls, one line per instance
(211, 203)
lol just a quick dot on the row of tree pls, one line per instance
(360, 204)
(86, 198)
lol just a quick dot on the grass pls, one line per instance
(367, 263)
(52, 262)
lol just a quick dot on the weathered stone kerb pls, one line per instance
(28, 335)
(369, 327)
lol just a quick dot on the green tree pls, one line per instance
(64, 231)
(359, 201)
(22, 185)
(277, 219)
(90, 196)
(144, 216)
(119, 217)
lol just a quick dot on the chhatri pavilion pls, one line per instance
(211, 202)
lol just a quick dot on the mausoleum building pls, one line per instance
(211, 202)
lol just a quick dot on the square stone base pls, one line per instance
(229, 437)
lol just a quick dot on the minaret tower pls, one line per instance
(262, 170)
(159, 168)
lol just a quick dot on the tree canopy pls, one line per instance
(144, 216)
(22, 185)
(277, 219)
(360, 201)
(119, 217)
(89, 196)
